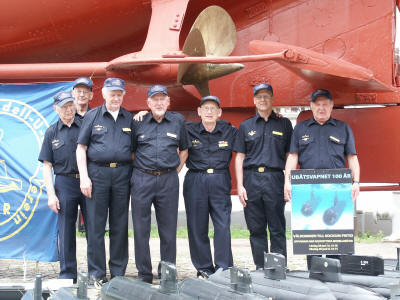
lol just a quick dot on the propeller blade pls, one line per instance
(217, 29)
(194, 46)
(213, 34)
(203, 88)
(204, 72)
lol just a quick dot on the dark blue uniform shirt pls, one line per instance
(322, 146)
(80, 116)
(59, 147)
(264, 143)
(155, 144)
(210, 149)
(107, 140)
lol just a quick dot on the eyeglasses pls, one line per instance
(209, 108)
(85, 93)
(263, 97)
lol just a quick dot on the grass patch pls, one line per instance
(369, 238)
(241, 233)
(236, 233)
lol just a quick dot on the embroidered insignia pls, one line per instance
(251, 133)
(305, 137)
(195, 142)
(126, 129)
(98, 127)
(55, 143)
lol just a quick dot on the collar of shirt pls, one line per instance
(272, 115)
(166, 117)
(78, 115)
(76, 121)
(312, 122)
(217, 128)
(104, 110)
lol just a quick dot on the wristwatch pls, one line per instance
(356, 181)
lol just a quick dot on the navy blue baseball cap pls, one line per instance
(210, 98)
(83, 81)
(62, 98)
(157, 89)
(321, 93)
(114, 84)
(262, 86)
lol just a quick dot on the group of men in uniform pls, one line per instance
(104, 156)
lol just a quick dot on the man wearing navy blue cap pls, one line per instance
(58, 154)
(261, 145)
(160, 145)
(104, 157)
(207, 187)
(82, 92)
(322, 143)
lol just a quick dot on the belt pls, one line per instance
(262, 169)
(209, 171)
(111, 164)
(156, 172)
(74, 175)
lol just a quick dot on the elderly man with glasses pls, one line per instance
(262, 146)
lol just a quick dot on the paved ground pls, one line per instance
(13, 270)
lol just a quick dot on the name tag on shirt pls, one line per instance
(334, 139)
(223, 144)
(125, 129)
(277, 133)
(173, 135)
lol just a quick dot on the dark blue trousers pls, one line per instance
(110, 196)
(208, 195)
(265, 208)
(163, 192)
(69, 194)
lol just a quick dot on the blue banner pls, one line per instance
(28, 228)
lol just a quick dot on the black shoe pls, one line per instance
(203, 274)
(97, 282)
(145, 279)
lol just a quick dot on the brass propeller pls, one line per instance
(212, 34)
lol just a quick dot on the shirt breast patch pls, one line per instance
(277, 133)
(126, 129)
(195, 142)
(173, 135)
(222, 144)
(305, 137)
(334, 139)
(98, 127)
(251, 133)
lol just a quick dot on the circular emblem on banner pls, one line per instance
(22, 129)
